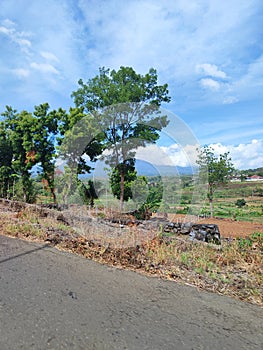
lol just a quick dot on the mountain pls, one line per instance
(147, 169)
(144, 168)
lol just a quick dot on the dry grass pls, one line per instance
(234, 268)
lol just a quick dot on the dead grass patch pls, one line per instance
(234, 268)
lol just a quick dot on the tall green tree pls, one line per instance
(127, 168)
(87, 192)
(6, 156)
(78, 142)
(126, 106)
(45, 132)
(20, 128)
(32, 137)
(122, 86)
(216, 169)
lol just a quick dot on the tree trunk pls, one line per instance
(54, 195)
(121, 188)
(210, 197)
(50, 181)
(211, 207)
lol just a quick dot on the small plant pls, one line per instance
(257, 236)
(244, 243)
(101, 215)
(23, 229)
(240, 203)
(199, 270)
(185, 259)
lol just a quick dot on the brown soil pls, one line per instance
(228, 227)
(231, 228)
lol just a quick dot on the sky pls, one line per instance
(209, 52)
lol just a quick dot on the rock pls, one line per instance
(206, 233)
(186, 228)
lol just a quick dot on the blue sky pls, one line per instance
(209, 52)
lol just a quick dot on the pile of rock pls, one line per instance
(208, 233)
(203, 232)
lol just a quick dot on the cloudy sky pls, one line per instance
(209, 52)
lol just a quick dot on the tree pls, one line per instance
(217, 170)
(6, 156)
(20, 128)
(45, 132)
(122, 86)
(148, 197)
(32, 139)
(88, 192)
(78, 142)
(126, 105)
(127, 168)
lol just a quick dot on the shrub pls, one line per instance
(240, 203)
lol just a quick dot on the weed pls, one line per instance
(23, 229)
(199, 270)
(185, 259)
(244, 243)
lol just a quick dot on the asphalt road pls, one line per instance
(55, 300)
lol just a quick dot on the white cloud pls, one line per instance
(44, 68)
(251, 82)
(230, 100)
(153, 155)
(219, 41)
(211, 70)
(21, 73)
(23, 42)
(5, 31)
(244, 156)
(181, 155)
(49, 56)
(210, 84)
(8, 23)
(173, 155)
(20, 38)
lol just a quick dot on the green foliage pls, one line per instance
(216, 169)
(140, 190)
(24, 185)
(152, 202)
(250, 172)
(248, 242)
(125, 104)
(259, 191)
(87, 192)
(240, 203)
(122, 86)
(127, 168)
(28, 140)
(66, 185)
(6, 156)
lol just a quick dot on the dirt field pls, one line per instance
(228, 227)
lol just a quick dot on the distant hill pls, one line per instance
(147, 169)
(143, 168)
(250, 172)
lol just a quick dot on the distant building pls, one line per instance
(235, 179)
(254, 178)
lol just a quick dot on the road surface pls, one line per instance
(55, 300)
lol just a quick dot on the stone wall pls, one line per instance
(203, 232)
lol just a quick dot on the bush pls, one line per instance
(240, 203)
